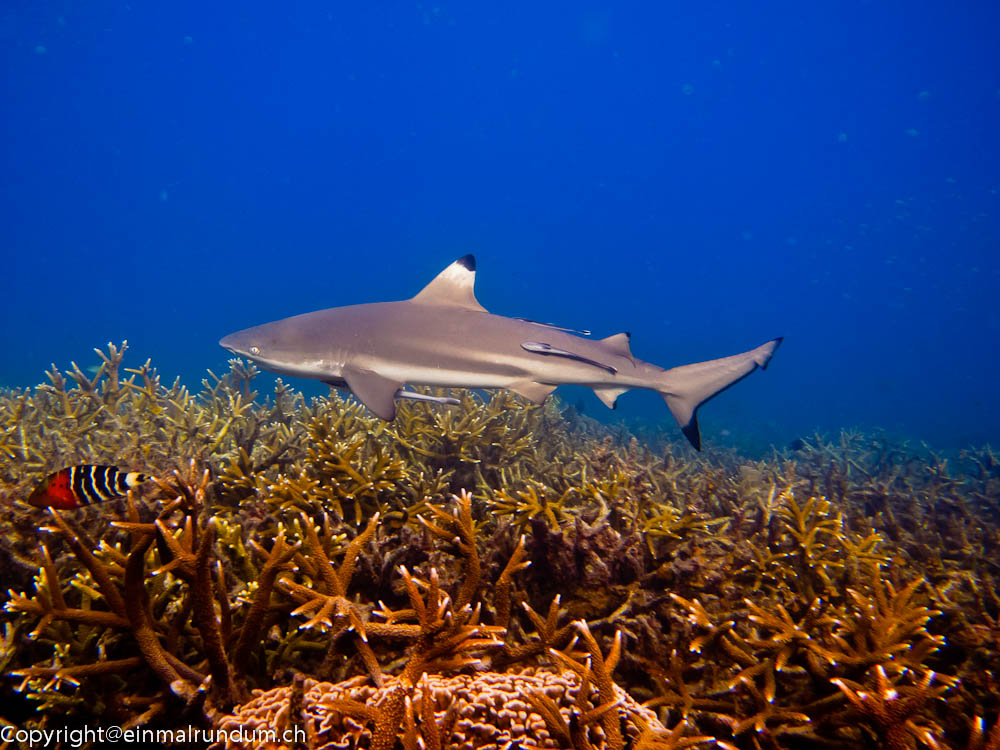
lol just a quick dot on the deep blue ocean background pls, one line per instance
(706, 175)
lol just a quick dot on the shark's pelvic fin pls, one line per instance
(534, 392)
(453, 287)
(375, 391)
(688, 387)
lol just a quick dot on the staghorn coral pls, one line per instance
(528, 504)
(489, 709)
(894, 708)
(472, 711)
(473, 444)
(754, 600)
(346, 469)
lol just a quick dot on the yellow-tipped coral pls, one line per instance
(488, 574)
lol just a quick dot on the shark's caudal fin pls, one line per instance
(688, 387)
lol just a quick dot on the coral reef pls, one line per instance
(495, 574)
(488, 709)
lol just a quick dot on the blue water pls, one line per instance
(706, 175)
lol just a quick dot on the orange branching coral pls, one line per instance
(600, 666)
(980, 740)
(741, 587)
(664, 521)
(676, 739)
(444, 638)
(483, 710)
(274, 562)
(548, 634)
(325, 601)
(525, 505)
(673, 691)
(459, 529)
(780, 660)
(122, 583)
(884, 625)
(895, 709)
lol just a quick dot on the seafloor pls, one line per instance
(492, 575)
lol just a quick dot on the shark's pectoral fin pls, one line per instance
(534, 392)
(375, 391)
(609, 395)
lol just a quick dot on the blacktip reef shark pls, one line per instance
(444, 337)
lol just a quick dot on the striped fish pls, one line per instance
(76, 486)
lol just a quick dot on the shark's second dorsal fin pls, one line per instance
(453, 287)
(619, 344)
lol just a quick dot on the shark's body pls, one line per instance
(444, 337)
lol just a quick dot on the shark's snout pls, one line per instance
(239, 343)
(232, 343)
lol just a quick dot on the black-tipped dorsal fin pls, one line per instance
(619, 344)
(453, 287)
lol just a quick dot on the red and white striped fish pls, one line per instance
(76, 486)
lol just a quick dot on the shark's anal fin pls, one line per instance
(455, 287)
(534, 392)
(609, 395)
(540, 347)
(375, 391)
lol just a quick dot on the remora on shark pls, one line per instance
(444, 337)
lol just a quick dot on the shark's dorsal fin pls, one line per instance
(619, 344)
(453, 287)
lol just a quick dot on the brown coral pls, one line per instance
(737, 588)
(483, 710)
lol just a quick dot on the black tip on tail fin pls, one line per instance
(692, 433)
(687, 387)
(468, 262)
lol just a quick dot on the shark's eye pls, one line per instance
(255, 350)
